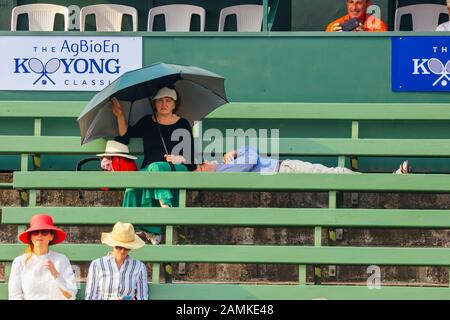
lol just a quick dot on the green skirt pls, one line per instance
(152, 197)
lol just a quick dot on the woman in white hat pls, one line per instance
(118, 276)
(117, 157)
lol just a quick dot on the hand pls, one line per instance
(116, 108)
(174, 159)
(229, 157)
(360, 27)
(336, 28)
(47, 264)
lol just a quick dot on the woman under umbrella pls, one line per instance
(157, 132)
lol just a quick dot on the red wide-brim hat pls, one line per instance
(42, 222)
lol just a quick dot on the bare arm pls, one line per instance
(118, 112)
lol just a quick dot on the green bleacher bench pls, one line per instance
(289, 146)
(255, 217)
(302, 256)
(377, 182)
(255, 254)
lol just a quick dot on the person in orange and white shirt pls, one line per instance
(358, 9)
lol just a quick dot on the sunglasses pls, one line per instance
(43, 232)
(121, 248)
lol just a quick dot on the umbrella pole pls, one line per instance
(172, 167)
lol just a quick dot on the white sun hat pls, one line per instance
(115, 148)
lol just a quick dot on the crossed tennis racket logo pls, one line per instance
(50, 67)
(437, 67)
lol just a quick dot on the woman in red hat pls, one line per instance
(41, 274)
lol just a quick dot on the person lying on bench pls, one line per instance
(247, 159)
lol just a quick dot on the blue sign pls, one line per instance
(421, 64)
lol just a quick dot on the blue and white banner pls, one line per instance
(421, 63)
(66, 63)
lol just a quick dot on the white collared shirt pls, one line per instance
(29, 280)
(107, 282)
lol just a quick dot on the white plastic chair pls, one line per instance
(177, 16)
(41, 16)
(249, 17)
(425, 17)
(108, 17)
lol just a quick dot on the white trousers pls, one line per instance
(298, 166)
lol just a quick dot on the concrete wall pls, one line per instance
(270, 236)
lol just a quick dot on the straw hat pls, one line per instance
(42, 222)
(115, 148)
(122, 235)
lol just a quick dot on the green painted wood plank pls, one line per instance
(56, 145)
(38, 127)
(293, 292)
(44, 109)
(233, 181)
(6, 185)
(169, 235)
(24, 162)
(32, 198)
(287, 217)
(155, 273)
(309, 217)
(224, 291)
(236, 110)
(341, 161)
(287, 146)
(332, 199)
(302, 274)
(337, 111)
(256, 254)
(8, 266)
(355, 129)
(319, 111)
(366, 147)
(317, 236)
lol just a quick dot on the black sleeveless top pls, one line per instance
(153, 146)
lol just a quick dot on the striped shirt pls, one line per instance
(107, 282)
